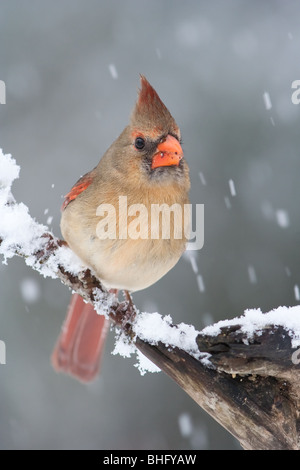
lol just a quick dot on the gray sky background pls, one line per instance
(71, 69)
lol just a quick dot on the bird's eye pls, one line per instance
(139, 143)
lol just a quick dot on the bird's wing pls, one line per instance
(78, 188)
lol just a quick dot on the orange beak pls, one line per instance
(169, 152)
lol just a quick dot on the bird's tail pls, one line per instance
(78, 350)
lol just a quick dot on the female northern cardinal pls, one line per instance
(146, 165)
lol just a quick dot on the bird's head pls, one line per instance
(150, 146)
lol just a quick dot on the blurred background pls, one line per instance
(224, 69)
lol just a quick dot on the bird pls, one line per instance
(145, 166)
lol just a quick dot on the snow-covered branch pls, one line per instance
(244, 372)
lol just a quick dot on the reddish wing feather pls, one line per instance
(78, 188)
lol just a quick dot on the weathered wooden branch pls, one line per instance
(253, 389)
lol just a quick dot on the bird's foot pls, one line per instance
(130, 312)
(125, 313)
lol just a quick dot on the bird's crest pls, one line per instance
(149, 109)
